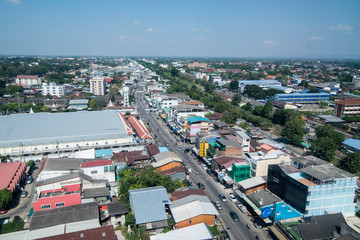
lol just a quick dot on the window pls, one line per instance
(93, 172)
(190, 221)
(45, 206)
(111, 168)
(106, 169)
(59, 204)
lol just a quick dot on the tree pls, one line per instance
(247, 107)
(130, 220)
(258, 110)
(236, 100)
(31, 164)
(5, 198)
(4, 158)
(96, 104)
(324, 148)
(78, 73)
(234, 85)
(48, 96)
(329, 132)
(294, 130)
(304, 84)
(350, 163)
(267, 110)
(175, 72)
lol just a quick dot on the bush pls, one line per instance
(12, 227)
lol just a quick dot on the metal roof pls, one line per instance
(192, 209)
(195, 232)
(198, 119)
(148, 204)
(326, 172)
(46, 128)
(252, 182)
(354, 143)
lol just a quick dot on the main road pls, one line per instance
(237, 230)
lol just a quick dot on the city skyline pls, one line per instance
(324, 29)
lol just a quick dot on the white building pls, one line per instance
(125, 93)
(100, 169)
(97, 85)
(53, 89)
(244, 140)
(169, 102)
(28, 80)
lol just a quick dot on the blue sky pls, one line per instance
(227, 28)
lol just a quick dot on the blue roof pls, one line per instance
(354, 143)
(211, 140)
(163, 149)
(198, 119)
(148, 204)
(103, 152)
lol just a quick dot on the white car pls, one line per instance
(204, 166)
(232, 198)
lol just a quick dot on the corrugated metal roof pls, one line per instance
(148, 204)
(46, 128)
(354, 143)
(139, 128)
(193, 209)
(195, 232)
(198, 119)
(252, 182)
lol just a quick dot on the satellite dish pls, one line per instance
(266, 212)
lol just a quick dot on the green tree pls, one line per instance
(5, 198)
(247, 107)
(329, 131)
(48, 96)
(234, 85)
(5, 158)
(267, 110)
(175, 72)
(294, 131)
(324, 148)
(130, 220)
(350, 163)
(97, 104)
(31, 164)
(258, 110)
(236, 100)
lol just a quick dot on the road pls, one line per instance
(237, 230)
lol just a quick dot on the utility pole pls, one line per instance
(18, 97)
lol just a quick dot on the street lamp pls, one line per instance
(18, 97)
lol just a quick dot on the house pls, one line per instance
(195, 232)
(193, 209)
(224, 147)
(195, 125)
(28, 80)
(152, 212)
(152, 149)
(133, 159)
(175, 173)
(117, 212)
(64, 220)
(314, 190)
(78, 104)
(100, 233)
(239, 171)
(166, 160)
(252, 185)
(186, 192)
(167, 101)
(99, 169)
(244, 140)
(56, 103)
(11, 175)
(54, 167)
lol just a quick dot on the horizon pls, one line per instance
(190, 29)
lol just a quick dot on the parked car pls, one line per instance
(29, 179)
(204, 166)
(3, 211)
(222, 197)
(218, 205)
(180, 149)
(187, 150)
(210, 172)
(234, 216)
(232, 198)
(24, 194)
(242, 208)
(225, 235)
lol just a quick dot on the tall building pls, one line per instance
(97, 85)
(347, 107)
(53, 89)
(126, 97)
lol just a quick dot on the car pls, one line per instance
(24, 194)
(3, 211)
(222, 197)
(201, 185)
(187, 150)
(234, 216)
(218, 205)
(225, 235)
(29, 179)
(232, 198)
(180, 149)
(204, 166)
(210, 172)
(167, 144)
(16, 219)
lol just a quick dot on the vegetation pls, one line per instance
(294, 130)
(350, 163)
(5, 198)
(96, 103)
(31, 164)
(327, 142)
(12, 227)
(254, 91)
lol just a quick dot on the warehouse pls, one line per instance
(42, 133)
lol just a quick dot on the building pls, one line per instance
(117, 212)
(175, 173)
(140, 129)
(352, 145)
(195, 125)
(78, 104)
(347, 107)
(99, 169)
(224, 147)
(251, 185)
(165, 161)
(239, 171)
(97, 85)
(244, 140)
(11, 174)
(197, 65)
(150, 213)
(264, 84)
(186, 111)
(28, 80)
(314, 190)
(168, 101)
(64, 220)
(302, 97)
(125, 93)
(53, 89)
(30, 134)
(195, 232)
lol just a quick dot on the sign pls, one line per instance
(266, 212)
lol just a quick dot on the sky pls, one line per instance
(197, 28)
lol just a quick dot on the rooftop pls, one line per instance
(197, 119)
(187, 192)
(308, 161)
(95, 192)
(140, 129)
(96, 163)
(117, 208)
(52, 128)
(228, 143)
(151, 210)
(330, 118)
(192, 209)
(63, 164)
(351, 101)
(354, 143)
(64, 215)
(252, 182)
(326, 172)
(263, 198)
(195, 232)
(10, 173)
(27, 76)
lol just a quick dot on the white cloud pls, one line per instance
(14, 1)
(136, 22)
(207, 29)
(202, 39)
(194, 30)
(341, 27)
(122, 37)
(150, 30)
(270, 43)
(315, 38)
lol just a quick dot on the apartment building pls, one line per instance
(53, 89)
(347, 107)
(97, 85)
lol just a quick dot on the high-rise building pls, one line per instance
(97, 85)
(53, 89)
(126, 97)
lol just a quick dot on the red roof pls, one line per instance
(185, 193)
(139, 128)
(96, 163)
(27, 76)
(10, 174)
(130, 157)
(192, 103)
(173, 171)
(351, 101)
(153, 149)
(128, 129)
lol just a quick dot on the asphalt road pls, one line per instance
(237, 230)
